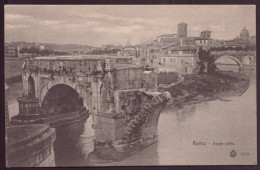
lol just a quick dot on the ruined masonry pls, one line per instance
(120, 96)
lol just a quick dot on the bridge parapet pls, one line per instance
(86, 65)
(233, 52)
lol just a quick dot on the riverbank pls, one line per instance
(196, 88)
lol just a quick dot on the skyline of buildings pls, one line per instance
(184, 31)
(99, 25)
(163, 41)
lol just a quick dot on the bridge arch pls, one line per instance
(60, 99)
(230, 57)
(83, 89)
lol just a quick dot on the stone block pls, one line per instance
(120, 96)
(111, 128)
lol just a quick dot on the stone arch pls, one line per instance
(230, 57)
(61, 98)
(46, 84)
(31, 87)
(83, 89)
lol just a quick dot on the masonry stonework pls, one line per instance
(120, 95)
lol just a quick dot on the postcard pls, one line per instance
(130, 85)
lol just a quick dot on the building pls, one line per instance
(174, 52)
(159, 38)
(129, 51)
(202, 41)
(245, 38)
(205, 34)
(241, 42)
(182, 29)
(244, 34)
(10, 50)
(180, 58)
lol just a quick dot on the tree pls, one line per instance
(229, 48)
(33, 50)
(222, 48)
(204, 56)
(45, 52)
(23, 50)
(211, 65)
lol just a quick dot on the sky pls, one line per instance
(96, 25)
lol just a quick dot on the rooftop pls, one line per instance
(201, 38)
(206, 31)
(167, 35)
(182, 48)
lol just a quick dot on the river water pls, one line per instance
(232, 122)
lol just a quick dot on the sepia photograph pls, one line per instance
(130, 85)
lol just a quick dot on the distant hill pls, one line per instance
(68, 46)
(55, 47)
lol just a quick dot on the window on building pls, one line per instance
(186, 52)
(164, 60)
(186, 69)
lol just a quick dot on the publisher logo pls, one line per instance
(233, 154)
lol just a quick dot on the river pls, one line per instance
(232, 121)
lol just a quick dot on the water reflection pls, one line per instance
(65, 154)
(74, 151)
(218, 121)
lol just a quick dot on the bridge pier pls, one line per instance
(28, 145)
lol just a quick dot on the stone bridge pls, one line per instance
(120, 95)
(242, 58)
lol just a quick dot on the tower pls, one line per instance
(182, 29)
